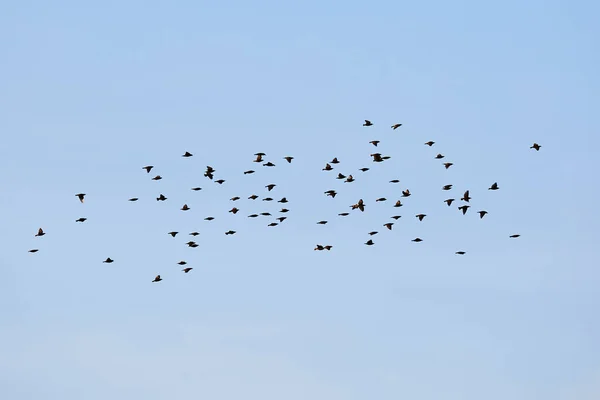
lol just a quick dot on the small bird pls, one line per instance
(234, 198)
(187, 154)
(252, 215)
(253, 197)
(421, 216)
(417, 240)
(341, 176)
(188, 269)
(466, 197)
(349, 179)
(191, 243)
(40, 232)
(283, 200)
(259, 157)
(389, 225)
(536, 147)
(376, 157)
(270, 186)
(209, 218)
(328, 247)
(331, 193)
(194, 233)
(133, 199)
(161, 198)
(157, 178)
(33, 250)
(374, 142)
(335, 161)
(250, 171)
(288, 159)
(281, 219)
(81, 196)
(398, 204)
(319, 247)
(148, 168)
(460, 252)
(494, 186)
(372, 233)
(182, 263)
(273, 224)
(446, 187)
(405, 193)
(464, 209)
(430, 143)
(364, 169)
(157, 279)
(439, 156)
(367, 123)
(344, 214)
(268, 199)
(322, 222)
(284, 210)
(396, 217)
(195, 189)
(229, 232)
(448, 165)
(369, 242)
(380, 199)
(395, 181)
(108, 260)
(266, 214)
(386, 157)
(173, 234)
(449, 202)
(194, 245)
(269, 164)
(396, 126)
(327, 167)
(234, 210)
(185, 207)
(220, 181)
(482, 214)
(81, 220)
(514, 236)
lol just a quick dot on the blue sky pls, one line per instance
(91, 93)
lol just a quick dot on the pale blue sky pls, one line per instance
(91, 93)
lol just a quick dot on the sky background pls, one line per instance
(90, 93)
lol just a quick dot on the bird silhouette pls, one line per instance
(367, 123)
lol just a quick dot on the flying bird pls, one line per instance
(157, 178)
(148, 168)
(389, 225)
(405, 193)
(439, 156)
(220, 181)
(269, 164)
(209, 218)
(33, 250)
(448, 165)
(253, 197)
(380, 199)
(464, 209)
(396, 126)
(133, 199)
(173, 234)
(252, 215)
(367, 123)
(161, 198)
(194, 233)
(335, 161)
(234, 198)
(364, 169)
(394, 181)
(372, 233)
(536, 147)
(460, 252)
(234, 210)
(195, 189)
(341, 176)
(344, 214)
(449, 202)
(268, 199)
(430, 143)
(327, 167)
(157, 279)
(374, 142)
(283, 200)
(40, 232)
(482, 214)
(514, 236)
(396, 217)
(182, 263)
(108, 261)
(270, 186)
(81, 220)
(398, 204)
(421, 216)
(250, 171)
(370, 242)
(229, 232)
(188, 269)
(322, 222)
(273, 224)
(466, 197)
(187, 154)
(81, 196)
(288, 159)
(349, 179)
(494, 186)
(446, 187)
(283, 210)
(185, 207)
(376, 157)
(417, 240)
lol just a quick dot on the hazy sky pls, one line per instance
(92, 92)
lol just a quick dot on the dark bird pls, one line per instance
(421, 216)
(284, 210)
(229, 232)
(283, 200)
(386, 157)
(389, 225)
(266, 214)
(439, 156)
(157, 178)
(364, 169)
(188, 269)
(335, 161)
(374, 142)
(234, 210)
(268, 199)
(270, 186)
(448, 201)
(369, 242)
(34, 250)
(248, 172)
(405, 193)
(209, 172)
(220, 181)
(269, 164)
(430, 143)
(322, 222)
(252, 215)
(288, 159)
(396, 217)
(273, 224)
(187, 154)
(195, 189)
(417, 240)
(398, 204)
(148, 168)
(209, 218)
(464, 209)
(395, 181)
(157, 279)
(331, 193)
(173, 233)
(40, 232)
(536, 147)
(360, 205)
(194, 233)
(194, 245)
(259, 157)
(161, 198)
(514, 236)
(380, 199)
(185, 207)
(81, 196)
(482, 214)
(108, 260)
(460, 252)
(327, 167)
(253, 197)
(349, 179)
(376, 157)
(372, 233)
(466, 197)
(367, 123)
(344, 214)
(182, 263)
(494, 186)
(328, 247)
(341, 176)
(319, 247)
(234, 198)
(396, 126)
(133, 199)
(81, 220)
(281, 219)
(448, 165)
(446, 187)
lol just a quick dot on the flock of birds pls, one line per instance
(359, 205)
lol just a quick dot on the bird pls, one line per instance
(81, 220)
(328, 247)
(360, 205)
(209, 172)
(173, 234)
(341, 176)
(514, 236)
(108, 260)
(536, 147)
(380, 199)
(209, 218)
(234, 210)
(266, 214)
(259, 157)
(396, 126)
(430, 143)
(374, 142)
(195, 189)
(252, 215)
(349, 179)
(397, 217)
(421, 216)
(161, 198)
(288, 159)
(191, 243)
(466, 197)
(133, 199)
(331, 193)
(268, 199)
(334, 161)
(270, 186)
(281, 219)
(327, 167)
(157, 279)
(398, 204)
(369, 242)
(284, 210)
(157, 178)
(33, 250)
(319, 247)
(482, 214)
(372, 233)
(322, 222)
(386, 157)
(460, 252)
(367, 123)
(81, 196)
(273, 224)
(40, 232)
(464, 209)
(449, 202)
(439, 156)
(188, 269)
(494, 186)
(448, 165)
(405, 193)
(376, 157)
(417, 240)
(269, 164)
(194, 233)
(194, 245)
(182, 263)
(395, 181)
(253, 197)
(220, 181)
(446, 187)
(283, 200)
(389, 225)
(229, 232)
(250, 171)
(344, 214)
(148, 168)
(187, 154)
(234, 198)
(185, 207)
(364, 169)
